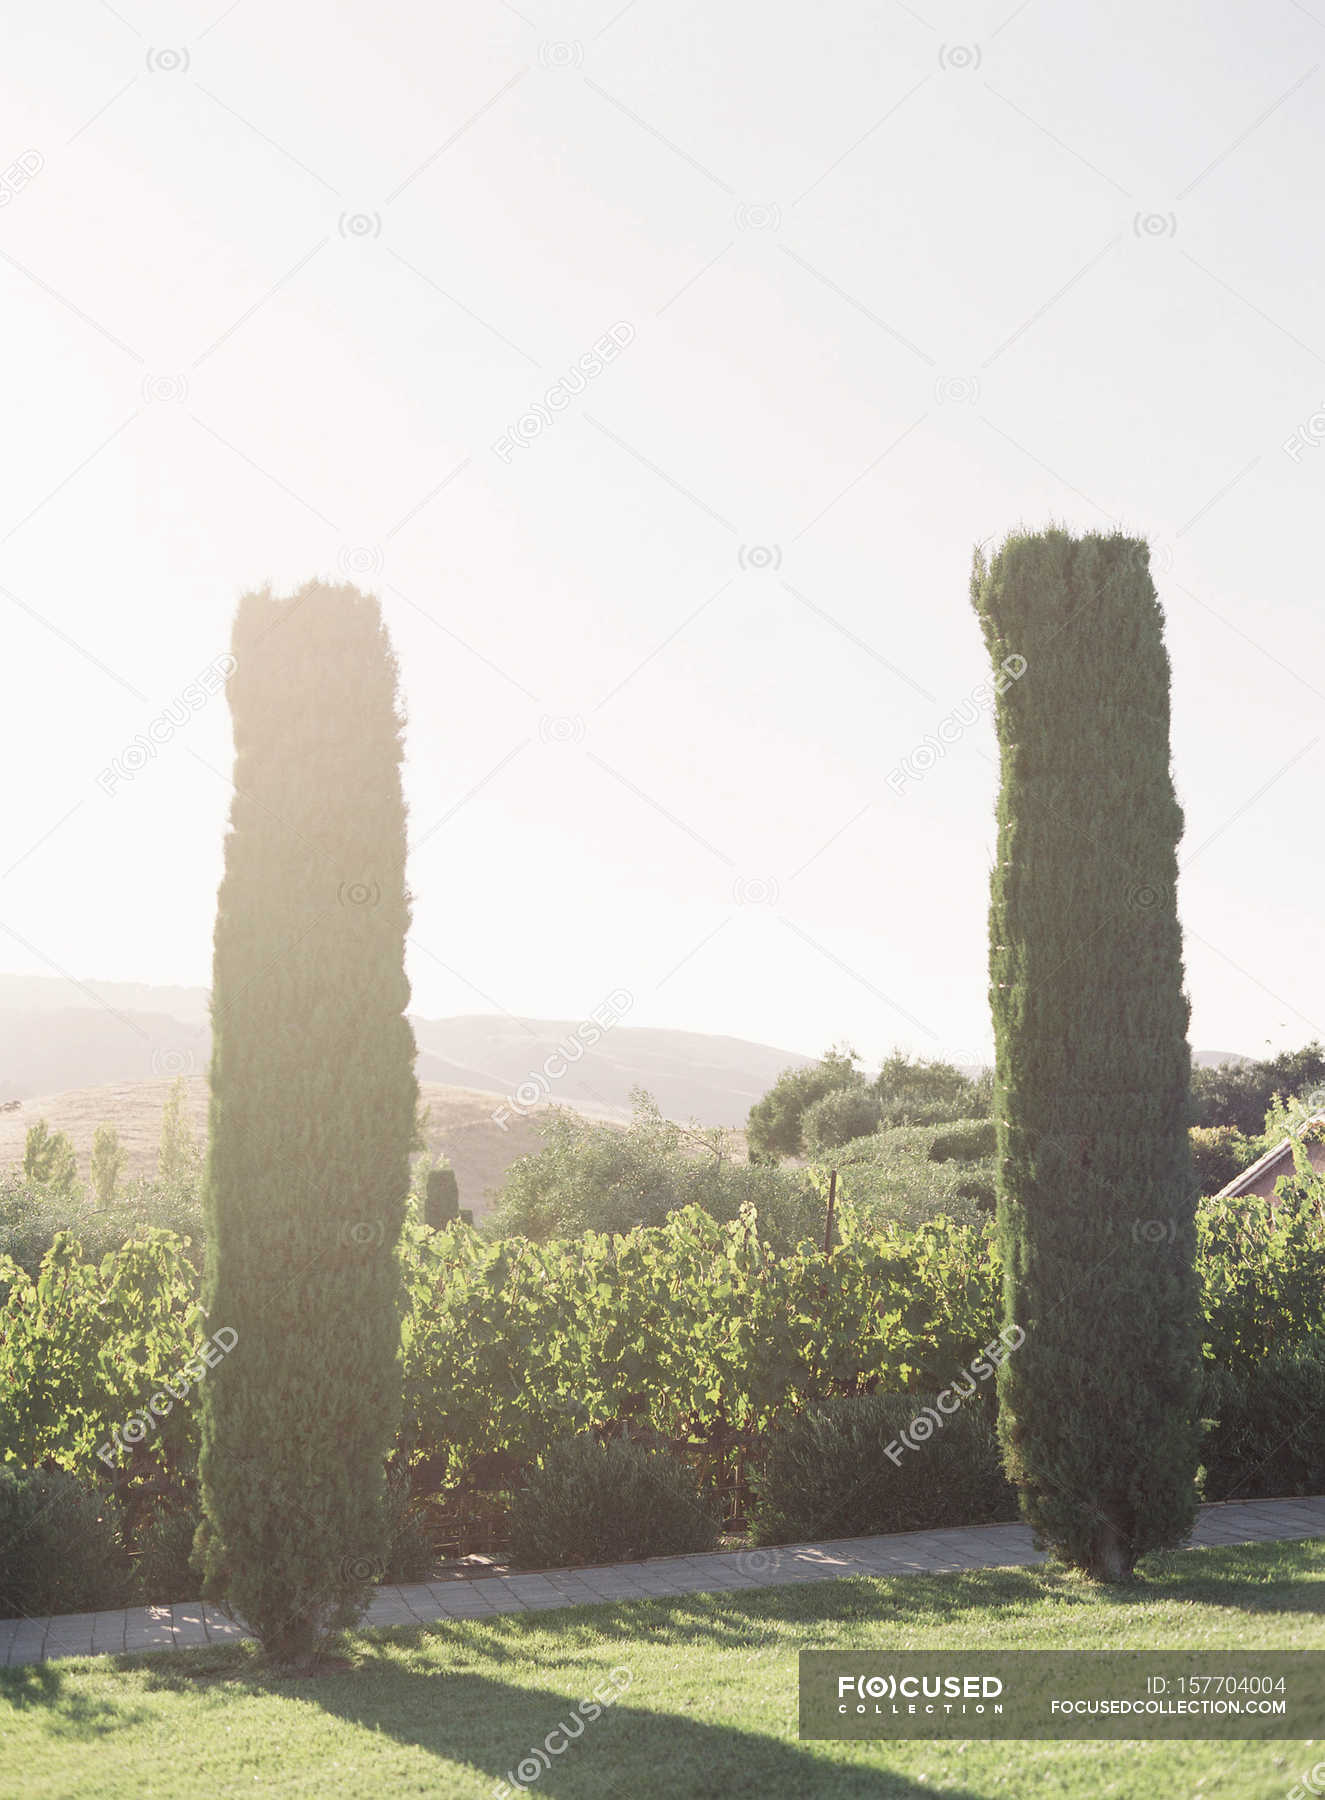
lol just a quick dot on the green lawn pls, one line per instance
(710, 1709)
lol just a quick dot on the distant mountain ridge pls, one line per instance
(57, 1035)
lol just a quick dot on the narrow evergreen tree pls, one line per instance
(48, 1157)
(312, 1113)
(1096, 1200)
(177, 1156)
(441, 1197)
(108, 1161)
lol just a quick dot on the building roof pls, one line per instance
(1282, 1153)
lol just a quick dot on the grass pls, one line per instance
(709, 1707)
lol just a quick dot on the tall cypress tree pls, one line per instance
(312, 1115)
(1096, 1202)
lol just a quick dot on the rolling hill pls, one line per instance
(80, 1053)
(460, 1127)
(57, 1036)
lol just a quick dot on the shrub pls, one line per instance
(60, 1550)
(1219, 1152)
(1268, 1436)
(896, 1176)
(774, 1127)
(31, 1215)
(163, 1572)
(827, 1474)
(108, 1160)
(441, 1198)
(596, 1177)
(592, 1502)
(411, 1556)
(920, 1092)
(1261, 1265)
(837, 1117)
(84, 1349)
(811, 1110)
(895, 1113)
(694, 1331)
(970, 1141)
(48, 1159)
(178, 1158)
(1238, 1094)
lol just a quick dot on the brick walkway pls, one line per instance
(191, 1625)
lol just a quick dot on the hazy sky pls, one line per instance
(282, 290)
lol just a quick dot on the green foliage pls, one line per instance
(108, 1159)
(1219, 1152)
(828, 1473)
(815, 1110)
(593, 1502)
(410, 1556)
(917, 1091)
(973, 1140)
(60, 1550)
(32, 1216)
(912, 1173)
(1096, 1198)
(1289, 1116)
(85, 1346)
(695, 1333)
(313, 1104)
(694, 1330)
(1268, 1435)
(1239, 1095)
(163, 1571)
(596, 1177)
(49, 1160)
(775, 1124)
(836, 1118)
(1261, 1265)
(178, 1158)
(442, 1198)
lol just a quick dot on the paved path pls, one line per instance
(191, 1625)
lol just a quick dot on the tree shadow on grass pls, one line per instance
(514, 1737)
(752, 1616)
(1241, 1578)
(71, 1714)
(493, 1726)
(518, 1738)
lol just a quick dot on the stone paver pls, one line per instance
(145, 1628)
(463, 1605)
(26, 1647)
(220, 1630)
(189, 1625)
(190, 1629)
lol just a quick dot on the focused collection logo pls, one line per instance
(896, 1694)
